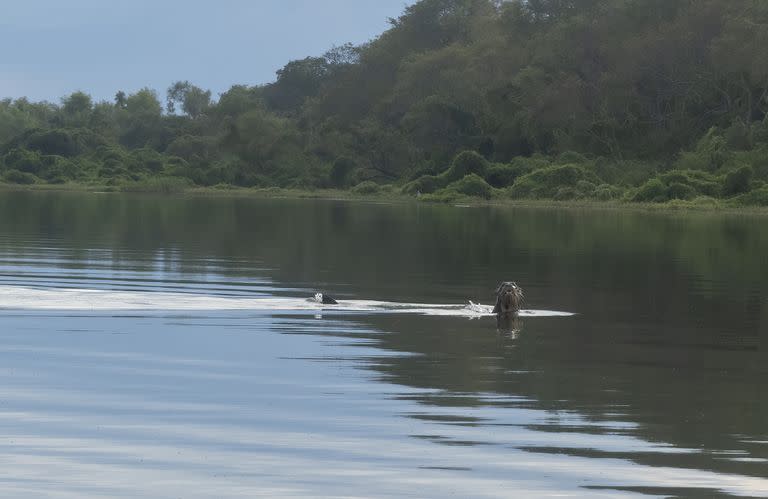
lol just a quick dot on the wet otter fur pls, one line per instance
(509, 298)
(324, 299)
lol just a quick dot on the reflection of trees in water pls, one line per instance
(670, 305)
(699, 396)
(416, 249)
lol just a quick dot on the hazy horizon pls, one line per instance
(99, 49)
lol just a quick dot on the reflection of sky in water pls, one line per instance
(245, 390)
(221, 404)
(126, 270)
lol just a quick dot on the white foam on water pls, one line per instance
(26, 298)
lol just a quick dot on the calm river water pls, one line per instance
(164, 347)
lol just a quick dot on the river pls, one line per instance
(165, 347)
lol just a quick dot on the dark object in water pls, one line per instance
(325, 299)
(509, 325)
(509, 298)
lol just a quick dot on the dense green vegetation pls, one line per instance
(631, 100)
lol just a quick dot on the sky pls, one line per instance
(54, 47)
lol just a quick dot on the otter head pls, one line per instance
(324, 299)
(509, 298)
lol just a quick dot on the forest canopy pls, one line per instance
(640, 100)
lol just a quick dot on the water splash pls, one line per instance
(27, 298)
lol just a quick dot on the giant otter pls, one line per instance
(324, 299)
(509, 298)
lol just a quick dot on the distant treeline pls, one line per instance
(639, 100)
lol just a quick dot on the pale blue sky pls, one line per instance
(54, 47)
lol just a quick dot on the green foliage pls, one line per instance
(296, 82)
(24, 161)
(738, 136)
(607, 192)
(112, 161)
(757, 197)
(547, 182)
(710, 154)
(194, 100)
(565, 194)
(499, 175)
(625, 172)
(677, 190)
(143, 103)
(640, 100)
(77, 103)
(148, 160)
(120, 99)
(178, 167)
(367, 187)
(471, 185)
(465, 163)
(425, 184)
(677, 184)
(523, 166)
(17, 177)
(585, 188)
(59, 141)
(140, 121)
(444, 196)
(58, 170)
(705, 202)
(20, 115)
(77, 108)
(340, 172)
(439, 128)
(162, 185)
(237, 100)
(571, 157)
(737, 181)
(192, 148)
(700, 182)
(653, 191)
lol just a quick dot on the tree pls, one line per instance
(194, 100)
(296, 81)
(340, 172)
(120, 99)
(77, 103)
(237, 100)
(144, 103)
(631, 87)
(140, 120)
(741, 58)
(342, 55)
(439, 129)
(77, 108)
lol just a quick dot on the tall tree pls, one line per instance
(194, 100)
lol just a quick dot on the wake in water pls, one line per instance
(24, 298)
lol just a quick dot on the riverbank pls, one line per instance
(389, 194)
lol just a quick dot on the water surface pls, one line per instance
(164, 347)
